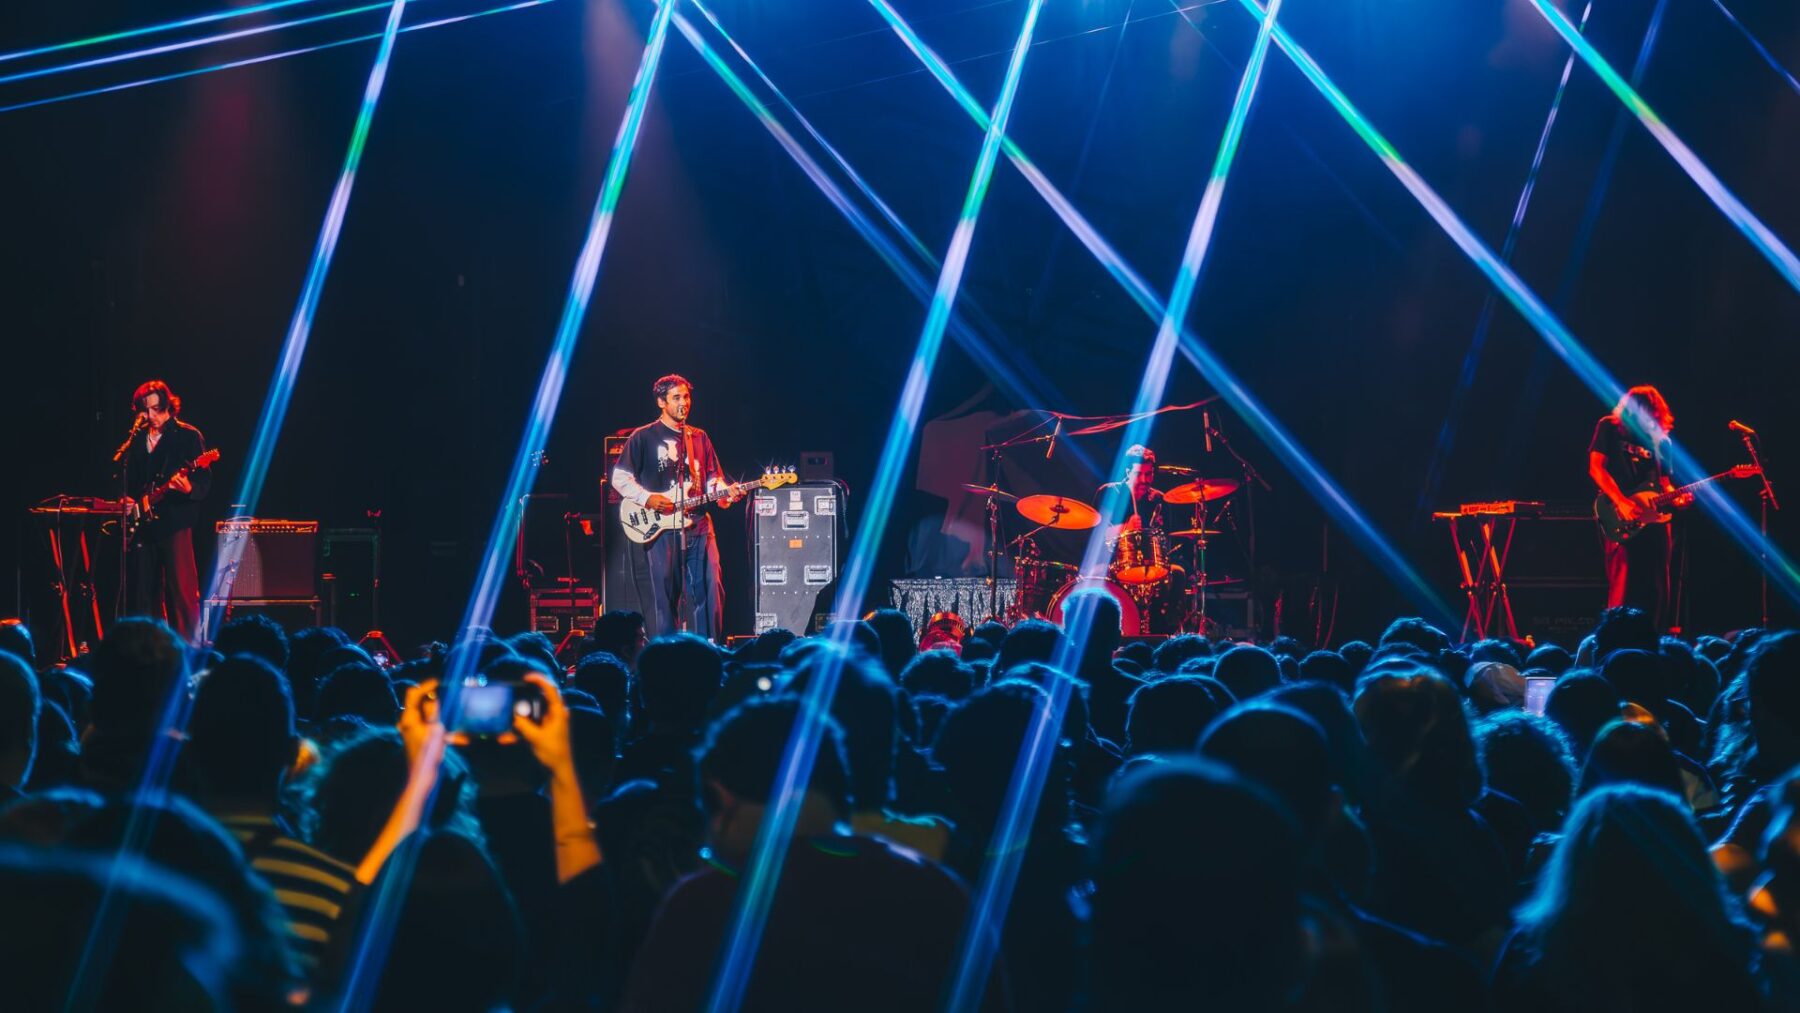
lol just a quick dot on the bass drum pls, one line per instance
(1131, 617)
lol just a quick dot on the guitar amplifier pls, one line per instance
(278, 557)
(795, 549)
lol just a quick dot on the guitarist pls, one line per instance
(160, 575)
(686, 590)
(1629, 455)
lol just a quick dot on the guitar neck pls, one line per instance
(710, 497)
(1680, 491)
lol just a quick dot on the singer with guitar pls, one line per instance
(661, 466)
(1628, 459)
(166, 473)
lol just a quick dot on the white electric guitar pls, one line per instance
(643, 524)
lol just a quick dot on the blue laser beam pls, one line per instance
(480, 609)
(757, 889)
(293, 348)
(1557, 336)
(888, 213)
(1018, 381)
(1761, 236)
(1314, 478)
(1018, 811)
(1465, 380)
(175, 47)
(167, 26)
(1763, 51)
(265, 58)
(159, 765)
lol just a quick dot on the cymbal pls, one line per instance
(989, 490)
(1059, 512)
(1195, 533)
(1176, 469)
(1201, 490)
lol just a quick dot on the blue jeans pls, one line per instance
(686, 593)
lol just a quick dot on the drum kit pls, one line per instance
(1155, 591)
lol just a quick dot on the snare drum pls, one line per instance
(1140, 556)
(1131, 618)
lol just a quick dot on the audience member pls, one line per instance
(620, 633)
(1168, 715)
(257, 635)
(241, 745)
(1247, 671)
(20, 710)
(1629, 915)
(855, 921)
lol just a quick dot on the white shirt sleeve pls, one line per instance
(628, 486)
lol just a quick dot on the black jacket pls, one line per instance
(146, 469)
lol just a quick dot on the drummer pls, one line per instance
(1132, 503)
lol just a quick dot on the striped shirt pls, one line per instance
(313, 888)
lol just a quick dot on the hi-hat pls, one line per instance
(1176, 469)
(1059, 512)
(1194, 533)
(1201, 490)
(989, 490)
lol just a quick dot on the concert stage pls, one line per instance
(1354, 273)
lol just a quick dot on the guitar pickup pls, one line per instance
(774, 575)
(816, 574)
(795, 520)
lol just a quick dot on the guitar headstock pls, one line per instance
(1745, 470)
(776, 477)
(207, 459)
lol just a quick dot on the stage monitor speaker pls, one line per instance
(278, 557)
(1555, 551)
(1556, 576)
(350, 574)
(1557, 613)
(794, 555)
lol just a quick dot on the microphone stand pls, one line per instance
(993, 533)
(120, 598)
(687, 472)
(1767, 496)
(1252, 479)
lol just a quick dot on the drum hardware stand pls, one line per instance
(993, 533)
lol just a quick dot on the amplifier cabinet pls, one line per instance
(278, 560)
(795, 553)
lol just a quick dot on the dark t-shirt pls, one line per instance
(654, 455)
(1631, 463)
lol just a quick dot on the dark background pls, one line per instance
(164, 231)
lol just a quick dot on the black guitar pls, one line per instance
(146, 504)
(1654, 507)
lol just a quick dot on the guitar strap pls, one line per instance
(687, 452)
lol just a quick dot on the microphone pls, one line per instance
(1050, 448)
(1206, 426)
(1739, 427)
(137, 426)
